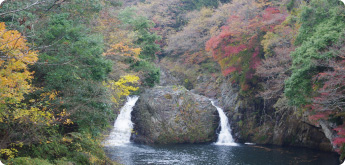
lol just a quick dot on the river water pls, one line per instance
(204, 154)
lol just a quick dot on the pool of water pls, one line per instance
(205, 154)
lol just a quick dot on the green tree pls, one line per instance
(144, 37)
(322, 22)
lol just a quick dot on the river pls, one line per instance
(204, 154)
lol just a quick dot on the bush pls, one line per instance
(28, 161)
(150, 73)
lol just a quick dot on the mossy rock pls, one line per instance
(173, 114)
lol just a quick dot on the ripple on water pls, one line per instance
(132, 154)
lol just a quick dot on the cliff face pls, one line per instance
(254, 120)
(258, 121)
(173, 114)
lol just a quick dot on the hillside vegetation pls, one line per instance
(66, 66)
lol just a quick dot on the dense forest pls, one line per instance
(67, 65)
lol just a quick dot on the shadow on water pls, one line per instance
(131, 154)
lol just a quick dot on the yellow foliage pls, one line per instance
(68, 121)
(124, 50)
(14, 58)
(262, 3)
(67, 140)
(15, 80)
(12, 152)
(120, 88)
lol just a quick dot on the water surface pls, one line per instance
(204, 154)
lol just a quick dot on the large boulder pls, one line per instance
(174, 115)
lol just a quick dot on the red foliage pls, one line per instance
(270, 12)
(330, 88)
(238, 43)
(340, 130)
(231, 50)
(320, 115)
(255, 59)
(332, 93)
(338, 141)
(228, 70)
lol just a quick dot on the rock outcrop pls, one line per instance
(174, 115)
(253, 120)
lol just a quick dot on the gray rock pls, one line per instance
(173, 114)
(254, 120)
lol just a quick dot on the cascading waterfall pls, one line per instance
(224, 137)
(123, 126)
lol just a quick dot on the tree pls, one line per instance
(120, 88)
(275, 68)
(15, 82)
(144, 38)
(330, 84)
(193, 37)
(68, 79)
(329, 101)
(14, 72)
(237, 48)
(322, 24)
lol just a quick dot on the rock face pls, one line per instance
(253, 120)
(174, 115)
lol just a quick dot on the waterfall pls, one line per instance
(123, 125)
(224, 137)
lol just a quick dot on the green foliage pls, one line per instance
(74, 147)
(146, 40)
(342, 152)
(318, 12)
(70, 62)
(198, 4)
(150, 73)
(141, 26)
(210, 67)
(116, 3)
(187, 84)
(322, 23)
(76, 55)
(29, 161)
(290, 5)
(73, 64)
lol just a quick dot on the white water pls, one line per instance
(123, 126)
(224, 137)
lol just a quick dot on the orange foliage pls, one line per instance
(14, 60)
(124, 50)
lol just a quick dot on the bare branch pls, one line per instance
(27, 7)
